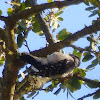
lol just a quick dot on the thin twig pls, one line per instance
(88, 95)
(27, 46)
(81, 49)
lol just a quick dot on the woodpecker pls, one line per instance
(56, 65)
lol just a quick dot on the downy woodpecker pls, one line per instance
(56, 65)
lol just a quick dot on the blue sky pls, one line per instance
(75, 17)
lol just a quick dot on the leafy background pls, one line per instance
(75, 18)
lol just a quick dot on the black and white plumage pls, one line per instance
(56, 65)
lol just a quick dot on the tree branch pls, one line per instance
(68, 41)
(38, 8)
(3, 18)
(88, 95)
(9, 80)
(45, 29)
(81, 49)
(43, 24)
(12, 65)
(29, 84)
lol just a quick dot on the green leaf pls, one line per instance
(97, 95)
(76, 84)
(0, 12)
(2, 60)
(77, 53)
(89, 39)
(95, 12)
(23, 6)
(76, 70)
(87, 56)
(62, 86)
(49, 88)
(94, 63)
(36, 28)
(54, 82)
(82, 73)
(31, 94)
(99, 48)
(49, 1)
(91, 85)
(79, 71)
(92, 39)
(60, 18)
(90, 8)
(20, 40)
(20, 29)
(23, 24)
(9, 11)
(90, 66)
(86, 53)
(96, 80)
(73, 84)
(58, 13)
(63, 34)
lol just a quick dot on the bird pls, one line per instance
(56, 65)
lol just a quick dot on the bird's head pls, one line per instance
(76, 60)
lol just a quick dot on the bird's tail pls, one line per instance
(28, 58)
